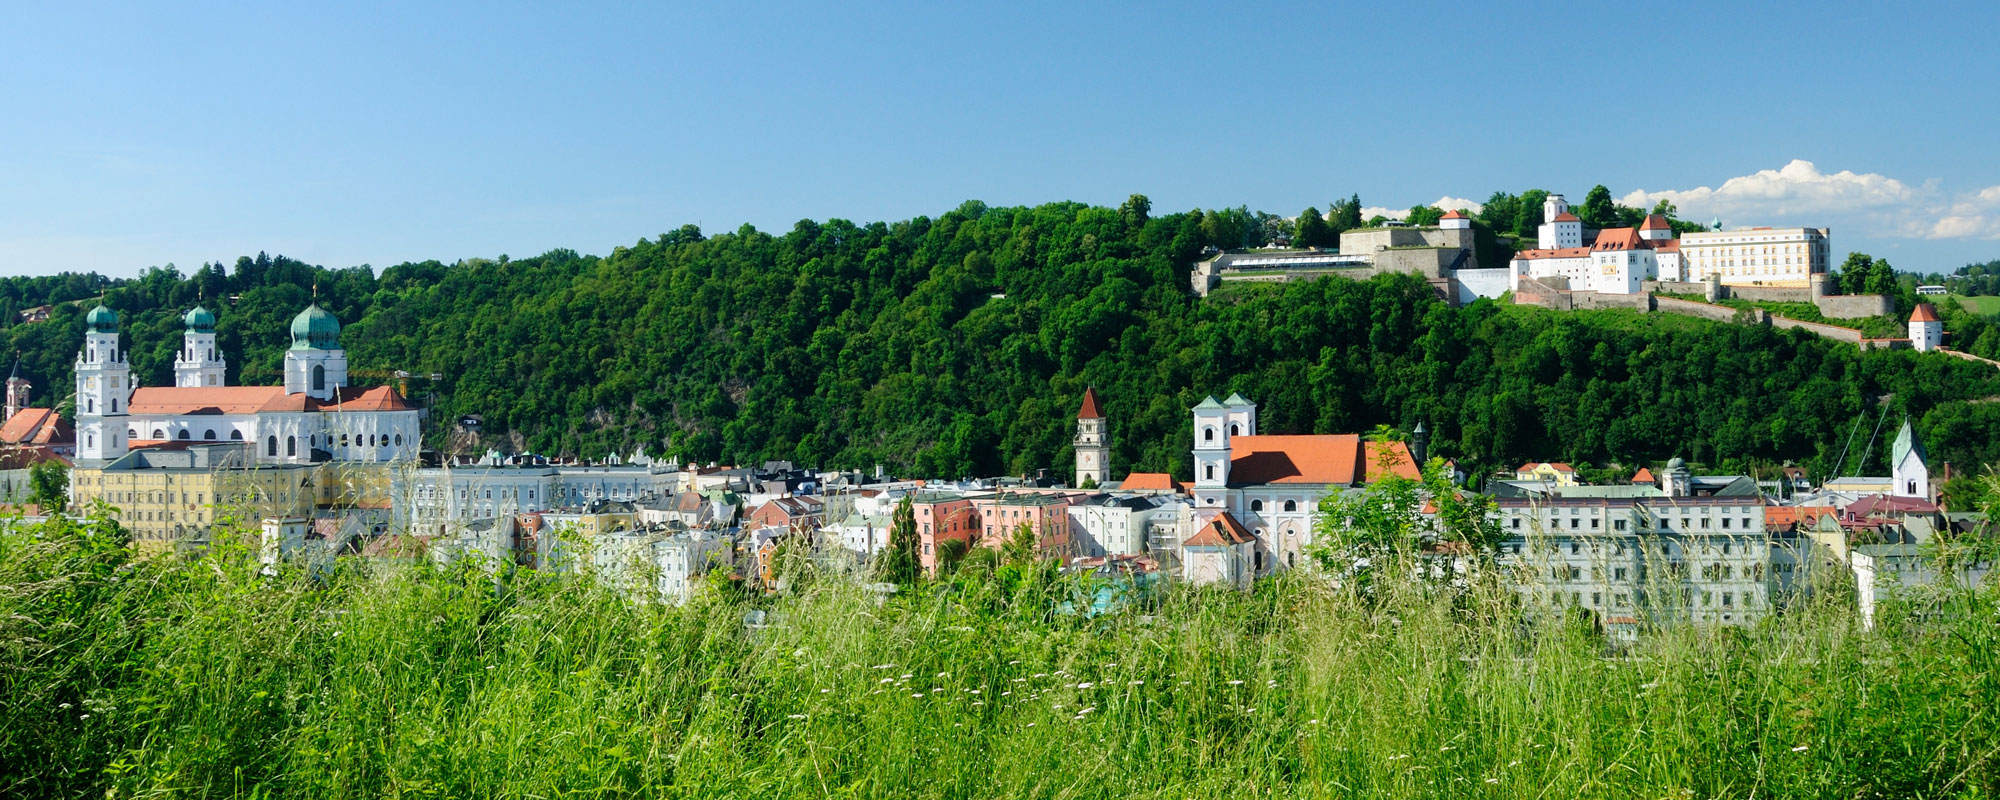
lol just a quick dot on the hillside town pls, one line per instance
(319, 470)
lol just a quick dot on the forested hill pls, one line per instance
(961, 346)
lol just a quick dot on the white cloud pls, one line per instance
(1445, 203)
(1870, 203)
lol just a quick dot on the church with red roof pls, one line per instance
(314, 416)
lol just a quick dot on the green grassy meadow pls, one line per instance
(1978, 305)
(204, 679)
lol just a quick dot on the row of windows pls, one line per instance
(1258, 505)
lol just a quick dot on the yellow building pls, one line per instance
(1551, 473)
(1785, 257)
(166, 496)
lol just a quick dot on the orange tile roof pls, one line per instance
(1401, 463)
(1221, 531)
(32, 426)
(1655, 222)
(1565, 252)
(1618, 239)
(1331, 459)
(1664, 245)
(1566, 217)
(1778, 516)
(1150, 481)
(1644, 475)
(1924, 313)
(1454, 215)
(192, 400)
(1090, 409)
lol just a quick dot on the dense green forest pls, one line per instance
(961, 345)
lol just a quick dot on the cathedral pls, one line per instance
(314, 417)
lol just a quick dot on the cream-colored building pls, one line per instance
(164, 496)
(1788, 257)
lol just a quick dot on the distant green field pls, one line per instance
(1979, 305)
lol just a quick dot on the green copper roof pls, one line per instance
(101, 320)
(315, 329)
(1210, 403)
(200, 320)
(1906, 443)
(1237, 400)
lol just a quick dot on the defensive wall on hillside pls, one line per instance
(1832, 306)
(1554, 293)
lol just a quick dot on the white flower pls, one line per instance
(887, 680)
(906, 676)
(1236, 683)
(1086, 710)
(1136, 683)
(1313, 721)
(1492, 780)
(1799, 749)
(1013, 662)
(489, 667)
(979, 702)
(1446, 749)
(1004, 694)
(795, 716)
(1112, 665)
(1399, 757)
(1513, 763)
(882, 666)
(825, 691)
(1031, 724)
(1085, 685)
(1039, 675)
(916, 694)
(941, 674)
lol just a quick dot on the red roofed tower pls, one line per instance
(1093, 452)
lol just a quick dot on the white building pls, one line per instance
(1093, 451)
(1272, 485)
(1910, 475)
(1218, 551)
(1617, 261)
(430, 500)
(1123, 525)
(1560, 229)
(314, 417)
(1926, 330)
(1789, 257)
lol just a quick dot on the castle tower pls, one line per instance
(1211, 451)
(315, 365)
(1656, 228)
(1906, 459)
(1926, 330)
(1560, 228)
(103, 385)
(1093, 450)
(17, 392)
(199, 362)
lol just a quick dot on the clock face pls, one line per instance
(90, 383)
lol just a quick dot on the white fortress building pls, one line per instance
(314, 417)
(1926, 330)
(1785, 257)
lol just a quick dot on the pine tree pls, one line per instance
(899, 562)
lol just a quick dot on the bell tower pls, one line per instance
(1093, 451)
(17, 391)
(199, 362)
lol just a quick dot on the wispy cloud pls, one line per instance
(1870, 203)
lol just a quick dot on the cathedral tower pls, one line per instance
(199, 362)
(315, 365)
(103, 385)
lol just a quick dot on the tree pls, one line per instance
(1598, 210)
(1345, 215)
(1424, 216)
(1312, 231)
(1528, 222)
(1135, 210)
(899, 562)
(49, 486)
(1020, 546)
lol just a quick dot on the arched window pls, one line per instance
(1234, 430)
(159, 434)
(184, 435)
(208, 436)
(235, 436)
(1256, 505)
(114, 405)
(1291, 505)
(319, 378)
(271, 447)
(1210, 472)
(343, 440)
(291, 446)
(132, 432)
(1208, 434)
(90, 405)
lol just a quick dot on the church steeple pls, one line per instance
(17, 390)
(1093, 452)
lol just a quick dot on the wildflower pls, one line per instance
(1136, 683)
(825, 691)
(1004, 694)
(1399, 756)
(1112, 665)
(979, 702)
(1513, 763)
(1236, 683)
(916, 694)
(795, 716)
(1446, 749)
(1650, 685)
(1086, 710)
(65, 705)
(972, 691)
(1039, 675)
(1250, 710)
(1085, 685)
(1799, 749)
(888, 680)
(906, 676)
(1313, 721)
(1492, 780)
(489, 667)
(1013, 662)
(941, 674)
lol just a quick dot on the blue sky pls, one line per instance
(134, 135)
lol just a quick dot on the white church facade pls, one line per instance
(314, 417)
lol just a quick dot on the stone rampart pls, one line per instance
(1834, 332)
(1717, 313)
(1591, 300)
(1855, 306)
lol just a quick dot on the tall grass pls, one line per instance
(204, 679)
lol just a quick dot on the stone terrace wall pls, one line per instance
(1704, 310)
(1539, 292)
(1770, 294)
(1638, 302)
(1855, 306)
(1834, 332)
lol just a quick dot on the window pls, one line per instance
(1291, 505)
(1208, 434)
(1235, 430)
(1256, 505)
(319, 378)
(1209, 472)
(1515, 523)
(183, 435)
(235, 436)
(399, 440)
(1618, 573)
(271, 446)
(208, 436)
(291, 446)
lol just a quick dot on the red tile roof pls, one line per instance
(1924, 313)
(1888, 504)
(36, 426)
(1454, 215)
(1782, 516)
(1400, 462)
(1295, 459)
(1090, 409)
(1644, 475)
(1655, 222)
(1566, 217)
(1618, 239)
(192, 400)
(1221, 531)
(1566, 252)
(1150, 481)
(1664, 245)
